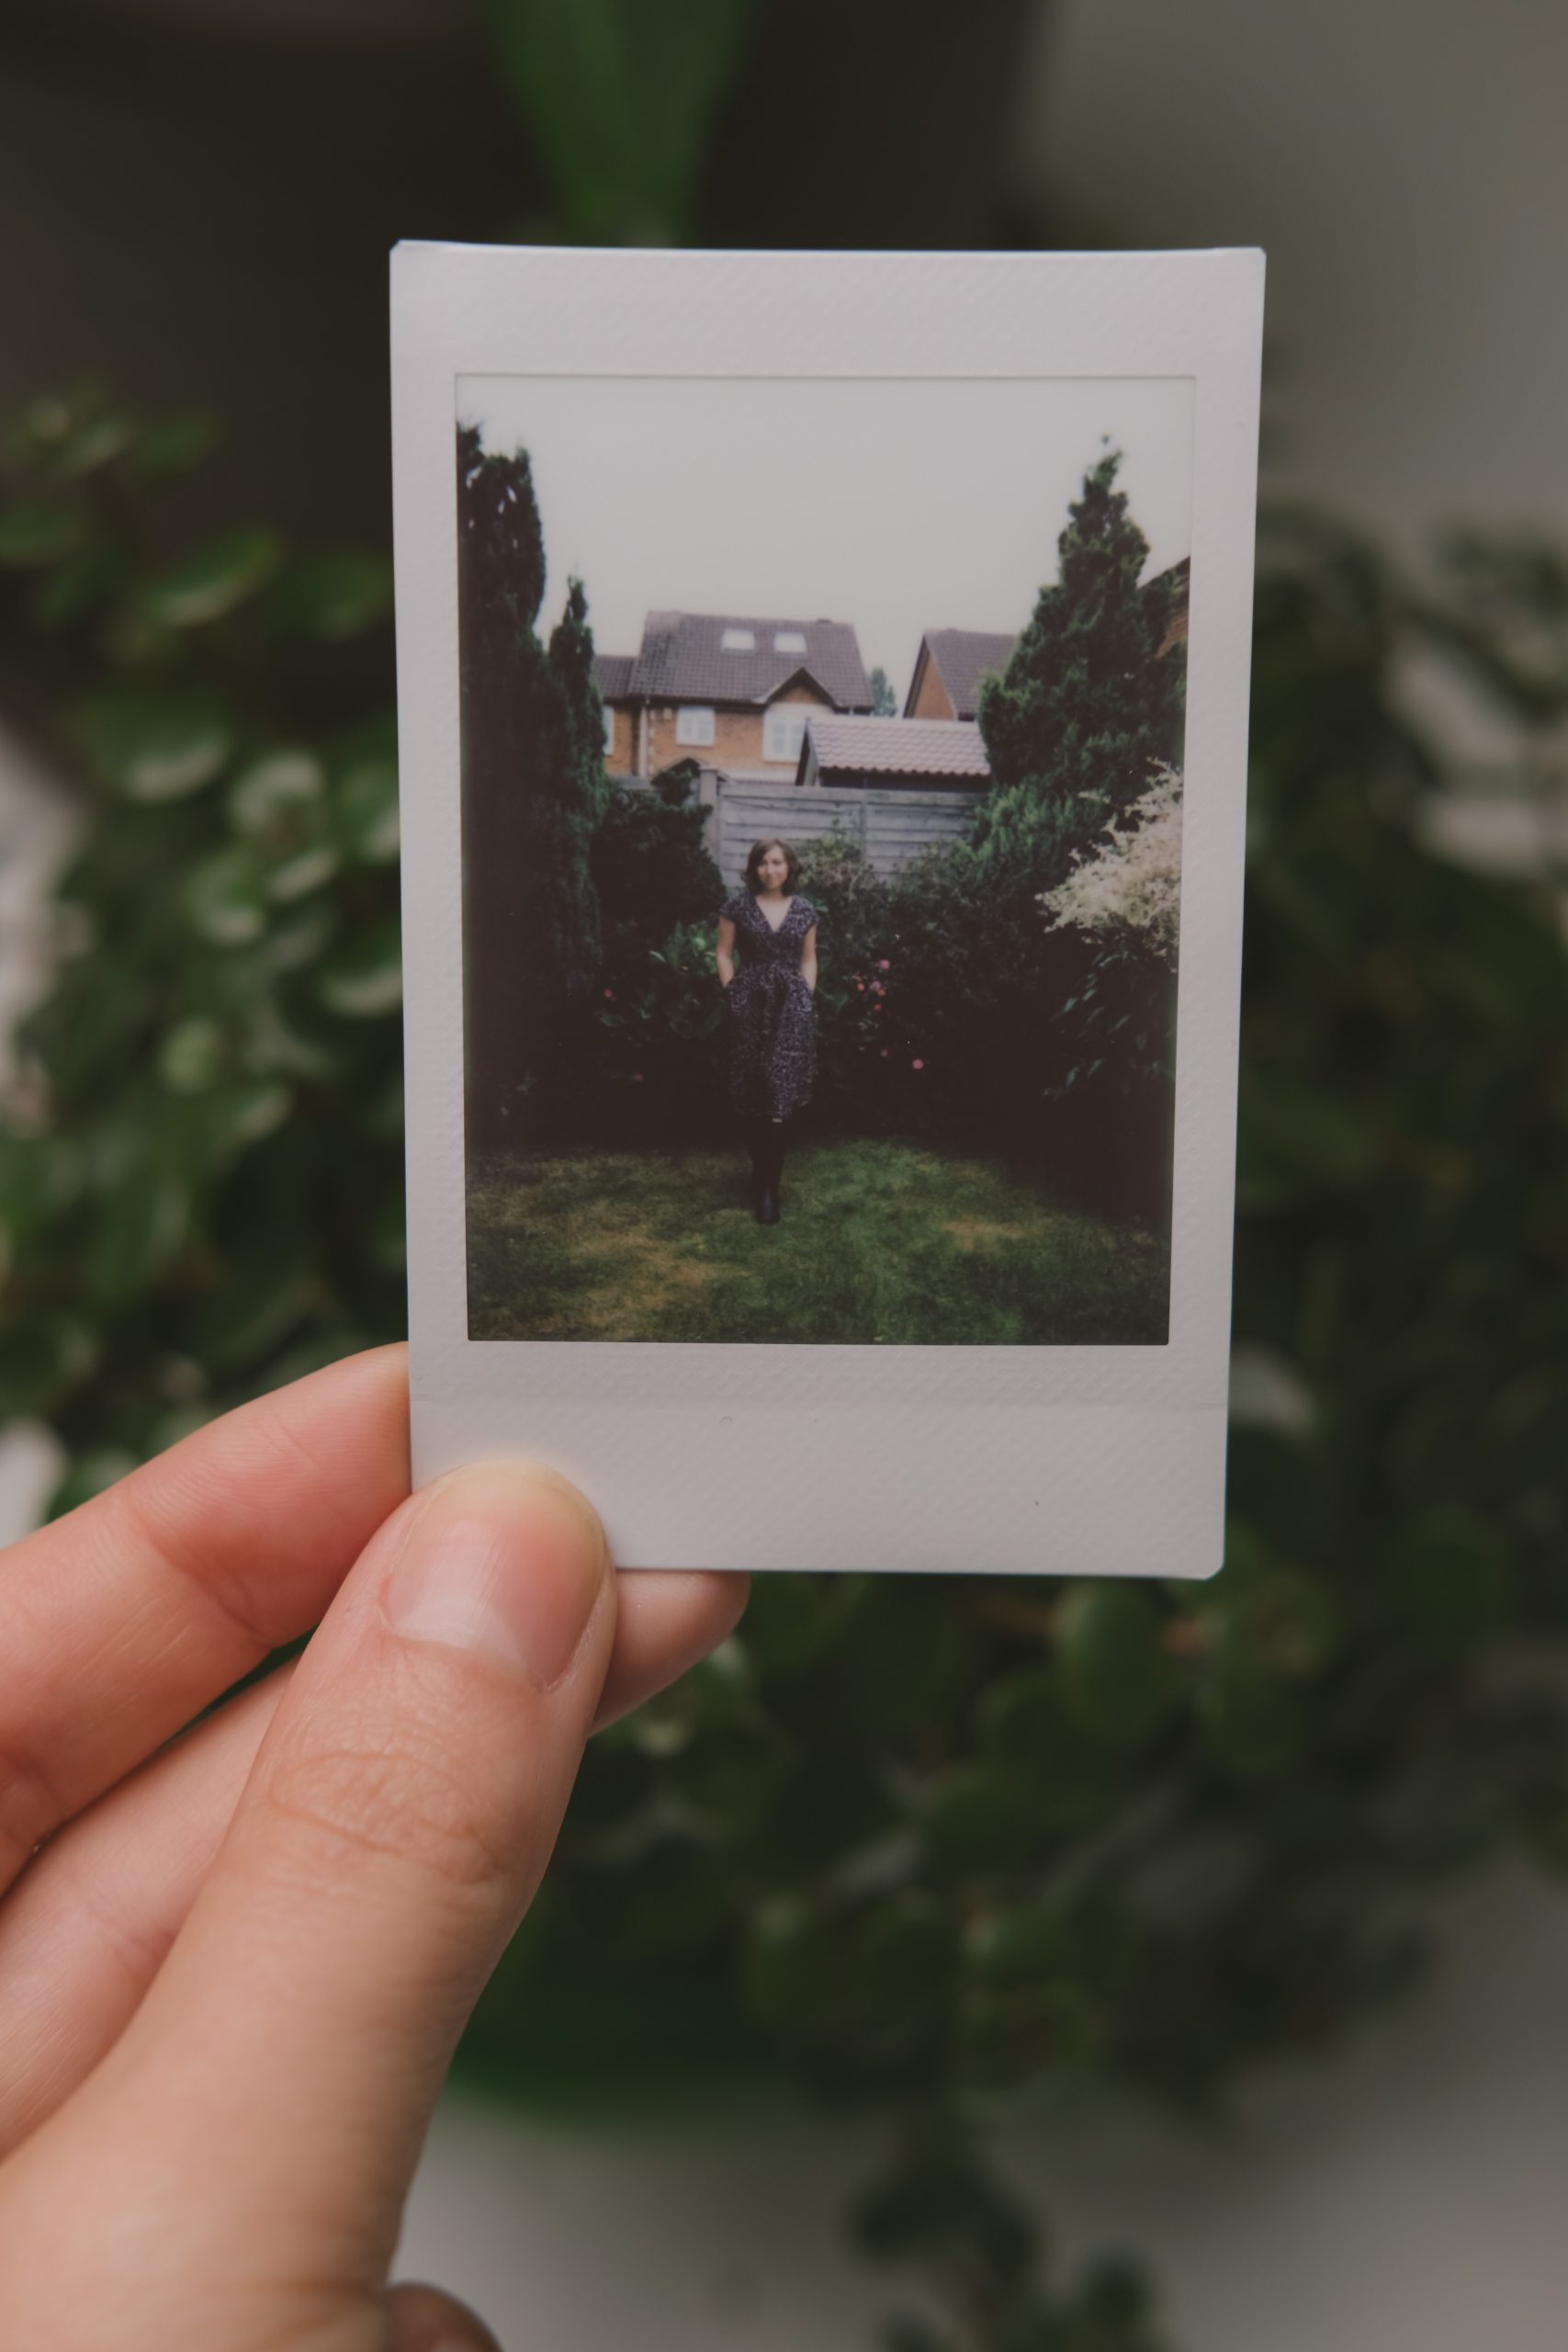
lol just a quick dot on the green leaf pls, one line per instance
(618, 96)
(274, 787)
(176, 443)
(153, 747)
(241, 1112)
(31, 536)
(977, 1818)
(72, 591)
(253, 1311)
(1026, 1946)
(222, 900)
(208, 585)
(94, 444)
(365, 811)
(43, 1362)
(39, 1177)
(363, 979)
(192, 1054)
(290, 1045)
(309, 867)
(1251, 1727)
(139, 1230)
(327, 599)
(1114, 1670)
(296, 938)
(788, 1973)
(1451, 1578)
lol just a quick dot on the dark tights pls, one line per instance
(765, 1143)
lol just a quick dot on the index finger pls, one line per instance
(121, 1621)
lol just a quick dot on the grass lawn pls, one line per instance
(879, 1241)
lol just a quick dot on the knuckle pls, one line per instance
(359, 1809)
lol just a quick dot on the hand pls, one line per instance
(233, 1963)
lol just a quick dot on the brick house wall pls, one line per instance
(738, 735)
(932, 701)
(621, 756)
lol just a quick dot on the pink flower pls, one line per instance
(609, 996)
(884, 966)
(883, 1056)
(877, 989)
(637, 1075)
(861, 986)
(916, 1063)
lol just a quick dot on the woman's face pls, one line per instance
(772, 868)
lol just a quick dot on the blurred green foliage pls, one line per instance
(928, 1841)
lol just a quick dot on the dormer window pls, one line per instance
(739, 640)
(789, 641)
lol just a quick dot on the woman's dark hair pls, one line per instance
(759, 852)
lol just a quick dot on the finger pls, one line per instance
(92, 1918)
(121, 1621)
(390, 1834)
(423, 2318)
(667, 1620)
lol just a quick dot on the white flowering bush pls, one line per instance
(1123, 900)
(1127, 889)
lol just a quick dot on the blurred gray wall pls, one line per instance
(1405, 164)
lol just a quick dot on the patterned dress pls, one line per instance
(773, 1036)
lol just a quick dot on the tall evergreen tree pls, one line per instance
(532, 788)
(884, 701)
(573, 792)
(1087, 703)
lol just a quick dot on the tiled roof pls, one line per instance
(612, 674)
(962, 657)
(934, 747)
(682, 660)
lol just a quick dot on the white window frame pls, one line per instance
(738, 640)
(694, 723)
(609, 727)
(785, 711)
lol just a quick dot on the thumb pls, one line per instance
(272, 2090)
(423, 2319)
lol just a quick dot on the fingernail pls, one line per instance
(503, 1559)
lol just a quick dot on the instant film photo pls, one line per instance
(822, 691)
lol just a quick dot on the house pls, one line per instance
(952, 664)
(731, 690)
(893, 754)
(1179, 580)
(949, 668)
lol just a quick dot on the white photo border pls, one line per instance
(1027, 1460)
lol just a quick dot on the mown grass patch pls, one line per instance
(881, 1241)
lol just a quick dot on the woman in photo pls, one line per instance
(773, 1041)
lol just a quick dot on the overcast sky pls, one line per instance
(896, 505)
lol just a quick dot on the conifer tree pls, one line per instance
(1088, 705)
(533, 789)
(573, 793)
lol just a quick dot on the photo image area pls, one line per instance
(930, 637)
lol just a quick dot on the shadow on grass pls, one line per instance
(882, 1242)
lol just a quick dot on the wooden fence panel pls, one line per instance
(891, 827)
